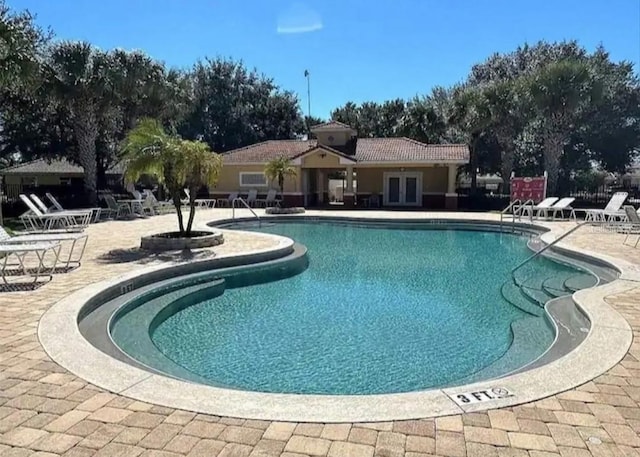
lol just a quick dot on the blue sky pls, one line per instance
(354, 49)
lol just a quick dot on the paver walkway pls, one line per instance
(46, 411)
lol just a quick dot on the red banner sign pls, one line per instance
(529, 188)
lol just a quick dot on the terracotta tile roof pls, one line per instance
(408, 150)
(331, 125)
(268, 150)
(57, 166)
(367, 150)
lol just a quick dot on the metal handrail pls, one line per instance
(553, 243)
(241, 200)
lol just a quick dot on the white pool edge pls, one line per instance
(606, 344)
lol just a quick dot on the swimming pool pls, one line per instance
(379, 309)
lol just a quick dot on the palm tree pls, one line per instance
(176, 163)
(77, 77)
(278, 170)
(470, 114)
(507, 122)
(559, 92)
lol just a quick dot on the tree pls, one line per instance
(21, 47)
(422, 122)
(232, 107)
(175, 163)
(77, 77)
(559, 92)
(503, 103)
(278, 170)
(470, 113)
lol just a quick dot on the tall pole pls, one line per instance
(308, 76)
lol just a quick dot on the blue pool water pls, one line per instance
(377, 311)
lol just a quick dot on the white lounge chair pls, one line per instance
(200, 202)
(227, 202)
(20, 251)
(536, 210)
(562, 205)
(53, 209)
(118, 208)
(79, 239)
(611, 212)
(97, 211)
(36, 220)
(270, 200)
(252, 198)
(160, 207)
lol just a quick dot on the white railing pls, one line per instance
(245, 204)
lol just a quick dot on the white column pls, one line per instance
(451, 182)
(320, 185)
(349, 189)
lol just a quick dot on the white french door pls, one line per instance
(402, 189)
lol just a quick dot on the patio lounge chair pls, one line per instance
(20, 251)
(562, 205)
(36, 220)
(160, 207)
(633, 227)
(252, 198)
(227, 202)
(200, 202)
(80, 212)
(610, 212)
(270, 200)
(537, 210)
(97, 211)
(75, 238)
(118, 208)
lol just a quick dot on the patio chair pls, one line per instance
(252, 198)
(20, 251)
(633, 227)
(270, 200)
(227, 202)
(79, 239)
(49, 210)
(536, 210)
(36, 220)
(610, 212)
(117, 208)
(148, 206)
(200, 202)
(562, 205)
(160, 207)
(97, 211)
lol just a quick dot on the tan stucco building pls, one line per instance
(393, 172)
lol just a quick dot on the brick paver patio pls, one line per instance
(46, 411)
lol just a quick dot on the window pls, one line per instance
(29, 181)
(253, 179)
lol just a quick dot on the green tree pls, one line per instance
(278, 170)
(470, 113)
(22, 44)
(175, 163)
(77, 78)
(559, 92)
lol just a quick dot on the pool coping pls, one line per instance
(606, 344)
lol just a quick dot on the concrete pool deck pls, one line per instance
(44, 408)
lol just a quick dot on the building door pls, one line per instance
(402, 189)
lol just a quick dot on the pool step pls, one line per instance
(514, 295)
(538, 296)
(554, 286)
(580, 281)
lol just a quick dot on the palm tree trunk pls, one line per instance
(178, 204)
(192, 208)
(474, 165)
(506, 168)
(86, 132)
(553, 148)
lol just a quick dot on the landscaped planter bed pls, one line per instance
(173, 241)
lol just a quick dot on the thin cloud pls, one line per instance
(299, 18)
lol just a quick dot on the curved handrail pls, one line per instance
(554, 242)
(241, 200)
